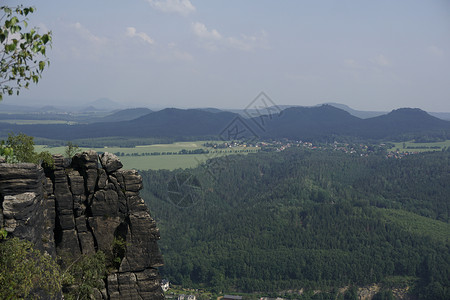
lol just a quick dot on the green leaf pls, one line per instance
(45, 38)
(41, 65)
(10, 47)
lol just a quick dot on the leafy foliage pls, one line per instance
(71, 150)
(118, 251)
(22, 53)
(6, 152)
(83, 274)
(20, 148)
(25, 271)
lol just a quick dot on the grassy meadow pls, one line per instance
(133, 157)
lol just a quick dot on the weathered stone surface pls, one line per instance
(105, 203)
(48, 186)
(80, 223)
(30, 211)
(86, 242)
(128, 286)
(21, 178)
(21, 214)
(142, 236)
(135, 285)
(132, 180)
(92, 206)
(69, 242)
(66, 222)
(110, 162)
(63, 196)
(86, 160)
(76, 182)
(103, 229)
(79, 208)
(61, 162)
(102, 179)
(50, 206)
(1, 216)
(117, 177)
(91, 180)
(113, 286)
(149, 284)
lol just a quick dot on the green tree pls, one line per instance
(71, 149)
(25, 270)
(22, 52)
(22, 147)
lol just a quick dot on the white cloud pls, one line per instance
(212, 39)
(436, 51)
(248, 43)
(172, 53)
(79, 42)
(131, 32)
(351, 63)
(201, 31)
(182, 7)
(381, 61)
(88, 35)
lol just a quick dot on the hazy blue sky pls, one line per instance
(371, 55)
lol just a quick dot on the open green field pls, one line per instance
(133, 158)
(420, 147)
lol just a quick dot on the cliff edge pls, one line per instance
(80, 207)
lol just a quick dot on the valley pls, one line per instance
(315, 204)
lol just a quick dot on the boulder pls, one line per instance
(110, 162)
(85, 160)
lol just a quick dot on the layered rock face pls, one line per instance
(80, 208)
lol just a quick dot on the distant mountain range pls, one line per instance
(125, 115)
(364, 114)
(103, 106)
(305, 123)
(99, 105)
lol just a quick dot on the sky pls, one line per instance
(370, 55)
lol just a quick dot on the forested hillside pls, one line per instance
(306, 219)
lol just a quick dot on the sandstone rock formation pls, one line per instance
(80, 208)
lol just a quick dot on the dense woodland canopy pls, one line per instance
(306, 219)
